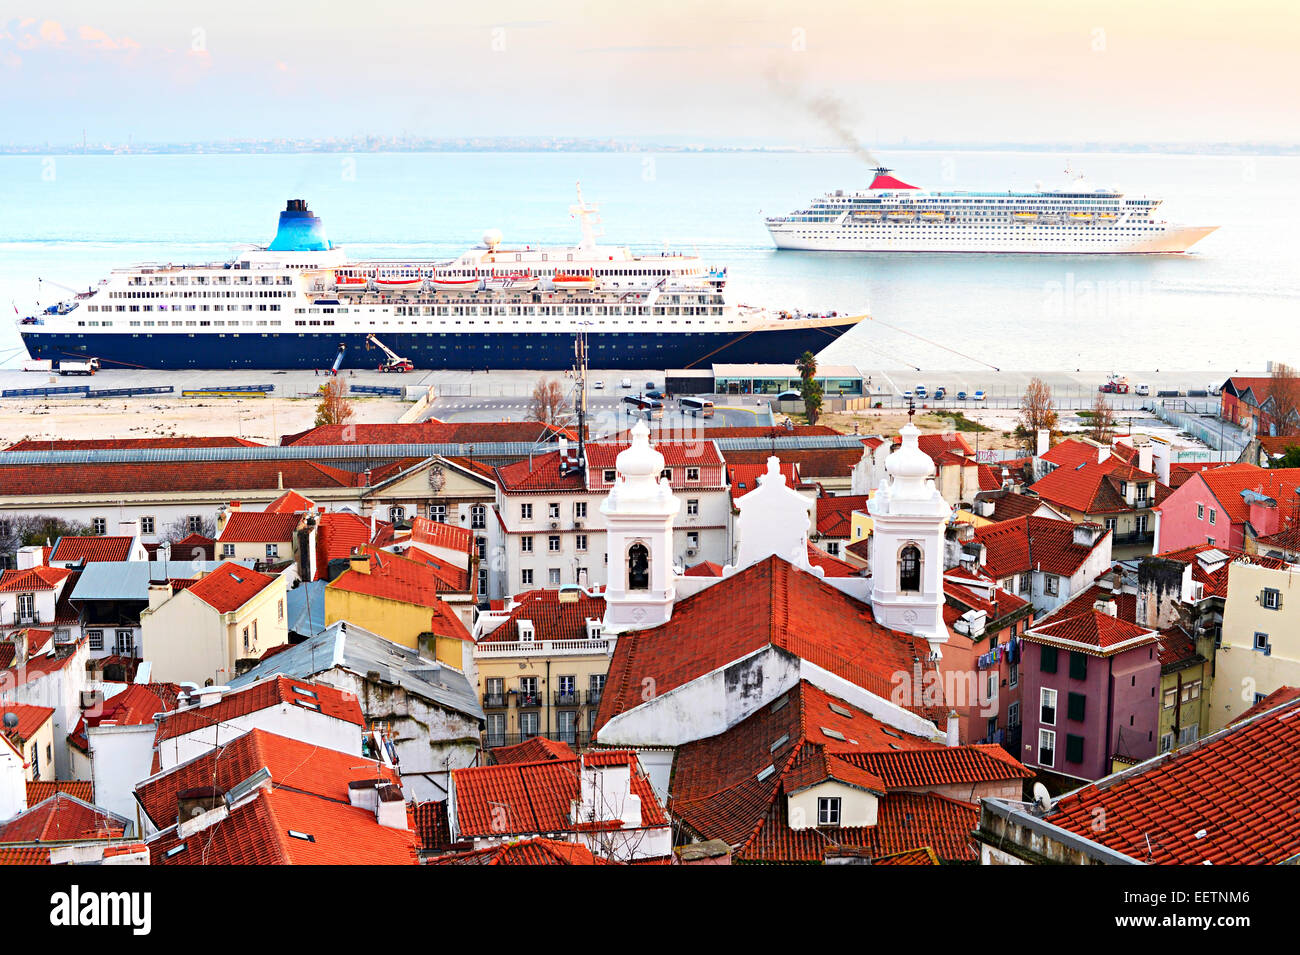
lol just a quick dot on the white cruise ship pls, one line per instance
(302, 302)
(892, 216)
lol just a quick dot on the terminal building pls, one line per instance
(836, 380)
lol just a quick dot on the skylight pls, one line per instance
(174, 850)
(766, 773)
(304, 836)
(779, 743)
(833, 734)
(890, 732)
(776, 707)
(836, 708)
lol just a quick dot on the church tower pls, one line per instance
(639, 514)
(908, 515)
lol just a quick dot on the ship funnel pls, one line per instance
(299, 230)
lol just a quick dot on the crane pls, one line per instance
(395, 361)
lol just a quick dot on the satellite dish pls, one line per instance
(1042, 797)
(492, 238)
(11, 721)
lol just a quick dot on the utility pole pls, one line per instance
(580, 399)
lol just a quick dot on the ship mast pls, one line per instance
(588, 218)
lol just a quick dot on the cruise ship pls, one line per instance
(892, 216)
(301, 302)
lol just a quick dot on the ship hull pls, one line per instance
(541, 351)
(1012, 239)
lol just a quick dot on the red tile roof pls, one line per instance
(814, 463)
(261, 832)
(301, 767)
(62, 818)
(1094, 632)
(274, 691)
(33, 578)
(939, 766)
(440, 534)
(134, 706)
(552, 618)
(833, 566)
(535, 750)
(1171, 810)
(936, 446)
(259, 527)
(290, 502)
(339, 535)
(835, 514)
(427, 432)
(1125, 603)
(769, 603)
(1279, 697)
(195, 546)
(1213, 576)
(1072, 452)
(30, 720)
(1092, 488)
(403, 579)
(923, 856)
(743, 478)
(118, 444)
(526, 852)
(24, 855)
(171, 477)
(705, 568)
(1010, 505)
(229, 586)
(1009, 546)
(537, 798)
(40, 790)
(995, 603)
(432, 832)
(91, 549)
(1228, 483)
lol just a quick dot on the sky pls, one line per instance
(727, 71)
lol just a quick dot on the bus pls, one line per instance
(651, 407)
(698, 407)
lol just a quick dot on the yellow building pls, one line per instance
(1260, 647)
(207, 630)
(33, 736)
(541, 667)
(400, 599)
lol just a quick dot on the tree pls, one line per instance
(1290, 459)
(548, 401)
(334, 407)
(1284, 392)
(183, 527)
(1102, 421)
(1037, 410)
(807, 366)
(812, 399)
(31, 529)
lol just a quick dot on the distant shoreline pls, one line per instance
(490, 145)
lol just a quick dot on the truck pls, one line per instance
(393, 361)
(38, 364)
(1115, 385)
(88, 367)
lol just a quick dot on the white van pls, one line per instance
(625, 383)
(1142, 390)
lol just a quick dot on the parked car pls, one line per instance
(961, 396)
(1142, 390)
(599, 385)
(979, 396)
(939, 394)
(625, 383)
(920, 391)
(908, 395)
(649, 385)
(657, 395)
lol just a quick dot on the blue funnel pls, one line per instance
(299, 230)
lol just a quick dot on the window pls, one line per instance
(528, 723)
(496, 729)
(96, 639)
(1169, 697)
(692, 508)
(227, 550)
(1110, 524)
(396, 513)
(124, 643)
(667, 473)
(1013, 674)
(1200, 516)
(1191, 691)
(526, 577)
(146, 525)
(1270, 598)
(1261, 644)
(1075, 706)
(1025, 580)
(195, 524)
(609, 475)
(1047, 706)
(526, 544)
(1046, 748)
(828, 811)
(438, 513)
(1166, 742)
(909, 569)
(1050, 584)
(98, 525)
(553, 511)
(1078, 665)
(692, 474)
(1047, 659)
(1140, 524)
(247, 645)
(525, 512)
(638, 567)
(1212, 515)
(554, 576)
(478, 517)
(579, 510)
(272, 550)
(553, 543)
(580, 542)
(1073, 748)
(1013, 714)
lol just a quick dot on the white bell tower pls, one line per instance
(639, 514)
(908, 515)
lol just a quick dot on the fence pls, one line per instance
(1226, 438)
(53, 392)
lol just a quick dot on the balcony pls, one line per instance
(528, 701)
(494, 701)
(577, 738)
(26, 618)
(566, 698)
(593, 697)
(543, 648)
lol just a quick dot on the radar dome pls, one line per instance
(492, 238)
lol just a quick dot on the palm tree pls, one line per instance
(807, 366)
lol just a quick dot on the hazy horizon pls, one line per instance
(777, 72)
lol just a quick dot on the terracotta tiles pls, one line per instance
(172, 477)
(1010, 544)
(552, 618)
(229, 586)
(30, 720)
(835, 514)
(1092, 631)
(71, 549)
(526, 852)
(259, 527)
(261, 695)
(38, 791)
(61, 818)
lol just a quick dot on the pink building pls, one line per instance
(1226, 506)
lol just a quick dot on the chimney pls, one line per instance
(191, 803)
(390, 811)
(984, 508)
(373, 527)
(19, 638)
(279, 480)
(1145, 453)
(1087, 534)
(1044, 441)
(1106, 606)
(953, 735)
(360, 563)
(159, 593)
(129, 528)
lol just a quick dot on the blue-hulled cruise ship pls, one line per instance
(302, 303)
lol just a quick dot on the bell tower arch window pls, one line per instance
(638, 567)
(909, 570)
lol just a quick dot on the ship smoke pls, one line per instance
(829, 111)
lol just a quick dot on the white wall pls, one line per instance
(284, 719)
(121, 757)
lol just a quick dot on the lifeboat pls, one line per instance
(456, 283)
(1108, 216)
(511, 282)
(1025, 216)
(573, 280)
(351, 282)
(394, 283)
(902, 216)
(867, 215)
(932, 216)
(1081, 216)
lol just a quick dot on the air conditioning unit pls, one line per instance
(577, 525)
(691, 551)
(555, 525)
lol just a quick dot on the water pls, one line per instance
(1231, 304)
